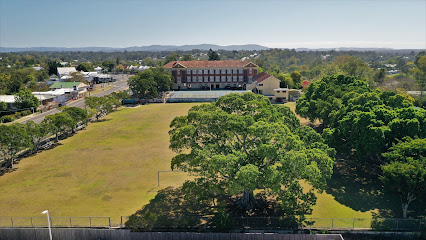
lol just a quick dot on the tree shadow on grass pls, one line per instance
(355, 183)
(173, 208)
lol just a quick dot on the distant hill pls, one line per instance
(359, 49)
(152, 48)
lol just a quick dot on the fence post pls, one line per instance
(90, 222)
(121, 221)
(31, 222)
(11, 220)
(158, 178)
(353, 225)
(70, 221)
(109, 218)
(51, 223)
(332, 223)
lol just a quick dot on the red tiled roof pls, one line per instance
(208, 64)
(260, 77)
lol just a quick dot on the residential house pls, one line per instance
(72, 90)
(65, 71)
(264, 84)
(269, 86)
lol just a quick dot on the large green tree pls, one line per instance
(242, 144)
(359, 117)
(420, 71)
(25, 99)
(60, 122)
(149, 83)
(101, 105)
(85, 67)
(78, 115)
(213, 56)
(38, 132)
(405, 172)
(13, 139)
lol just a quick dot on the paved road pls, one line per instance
(120, 84)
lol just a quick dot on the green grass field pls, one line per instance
(108, 169)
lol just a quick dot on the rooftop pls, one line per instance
(7, 98)
(66, 70)
(209, 64)
(65, 84)
(260, 77)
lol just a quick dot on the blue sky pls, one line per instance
(272, 23)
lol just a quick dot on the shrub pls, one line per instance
(26, 112)
(17, 114)
(7, 118)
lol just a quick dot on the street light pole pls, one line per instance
(48, 222)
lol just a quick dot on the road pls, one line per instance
(120, 84)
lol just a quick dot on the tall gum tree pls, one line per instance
(242, 144)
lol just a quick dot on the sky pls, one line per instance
(271, 23)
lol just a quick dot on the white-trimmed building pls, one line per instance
(65, 71)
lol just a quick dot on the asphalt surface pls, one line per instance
(119, 85)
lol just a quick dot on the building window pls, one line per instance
(211, 71)
(194, 71)
(260, 91)
(234, 78)
(260, 84)
(278, 91)
(234, 70)
(240, 78)
(211, 79)
(200, 79)
(206, 71)
(206, 79)
(228, 78)
(251, 79)
(223, 79)
(188, 71)
(217, 78)
(179, 79)
(240, 71)
(200, 71)
(188, 79)
(251, 71)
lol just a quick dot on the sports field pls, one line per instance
(108, 169)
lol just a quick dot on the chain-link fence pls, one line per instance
(203, 223)
(90, 222)
(279, 223)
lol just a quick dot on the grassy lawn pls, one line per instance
(105, 170)
(108, 169)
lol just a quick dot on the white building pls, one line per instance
(66, 71)
(9, 100)
(98, 69)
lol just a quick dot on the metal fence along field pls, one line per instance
(243, 223)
